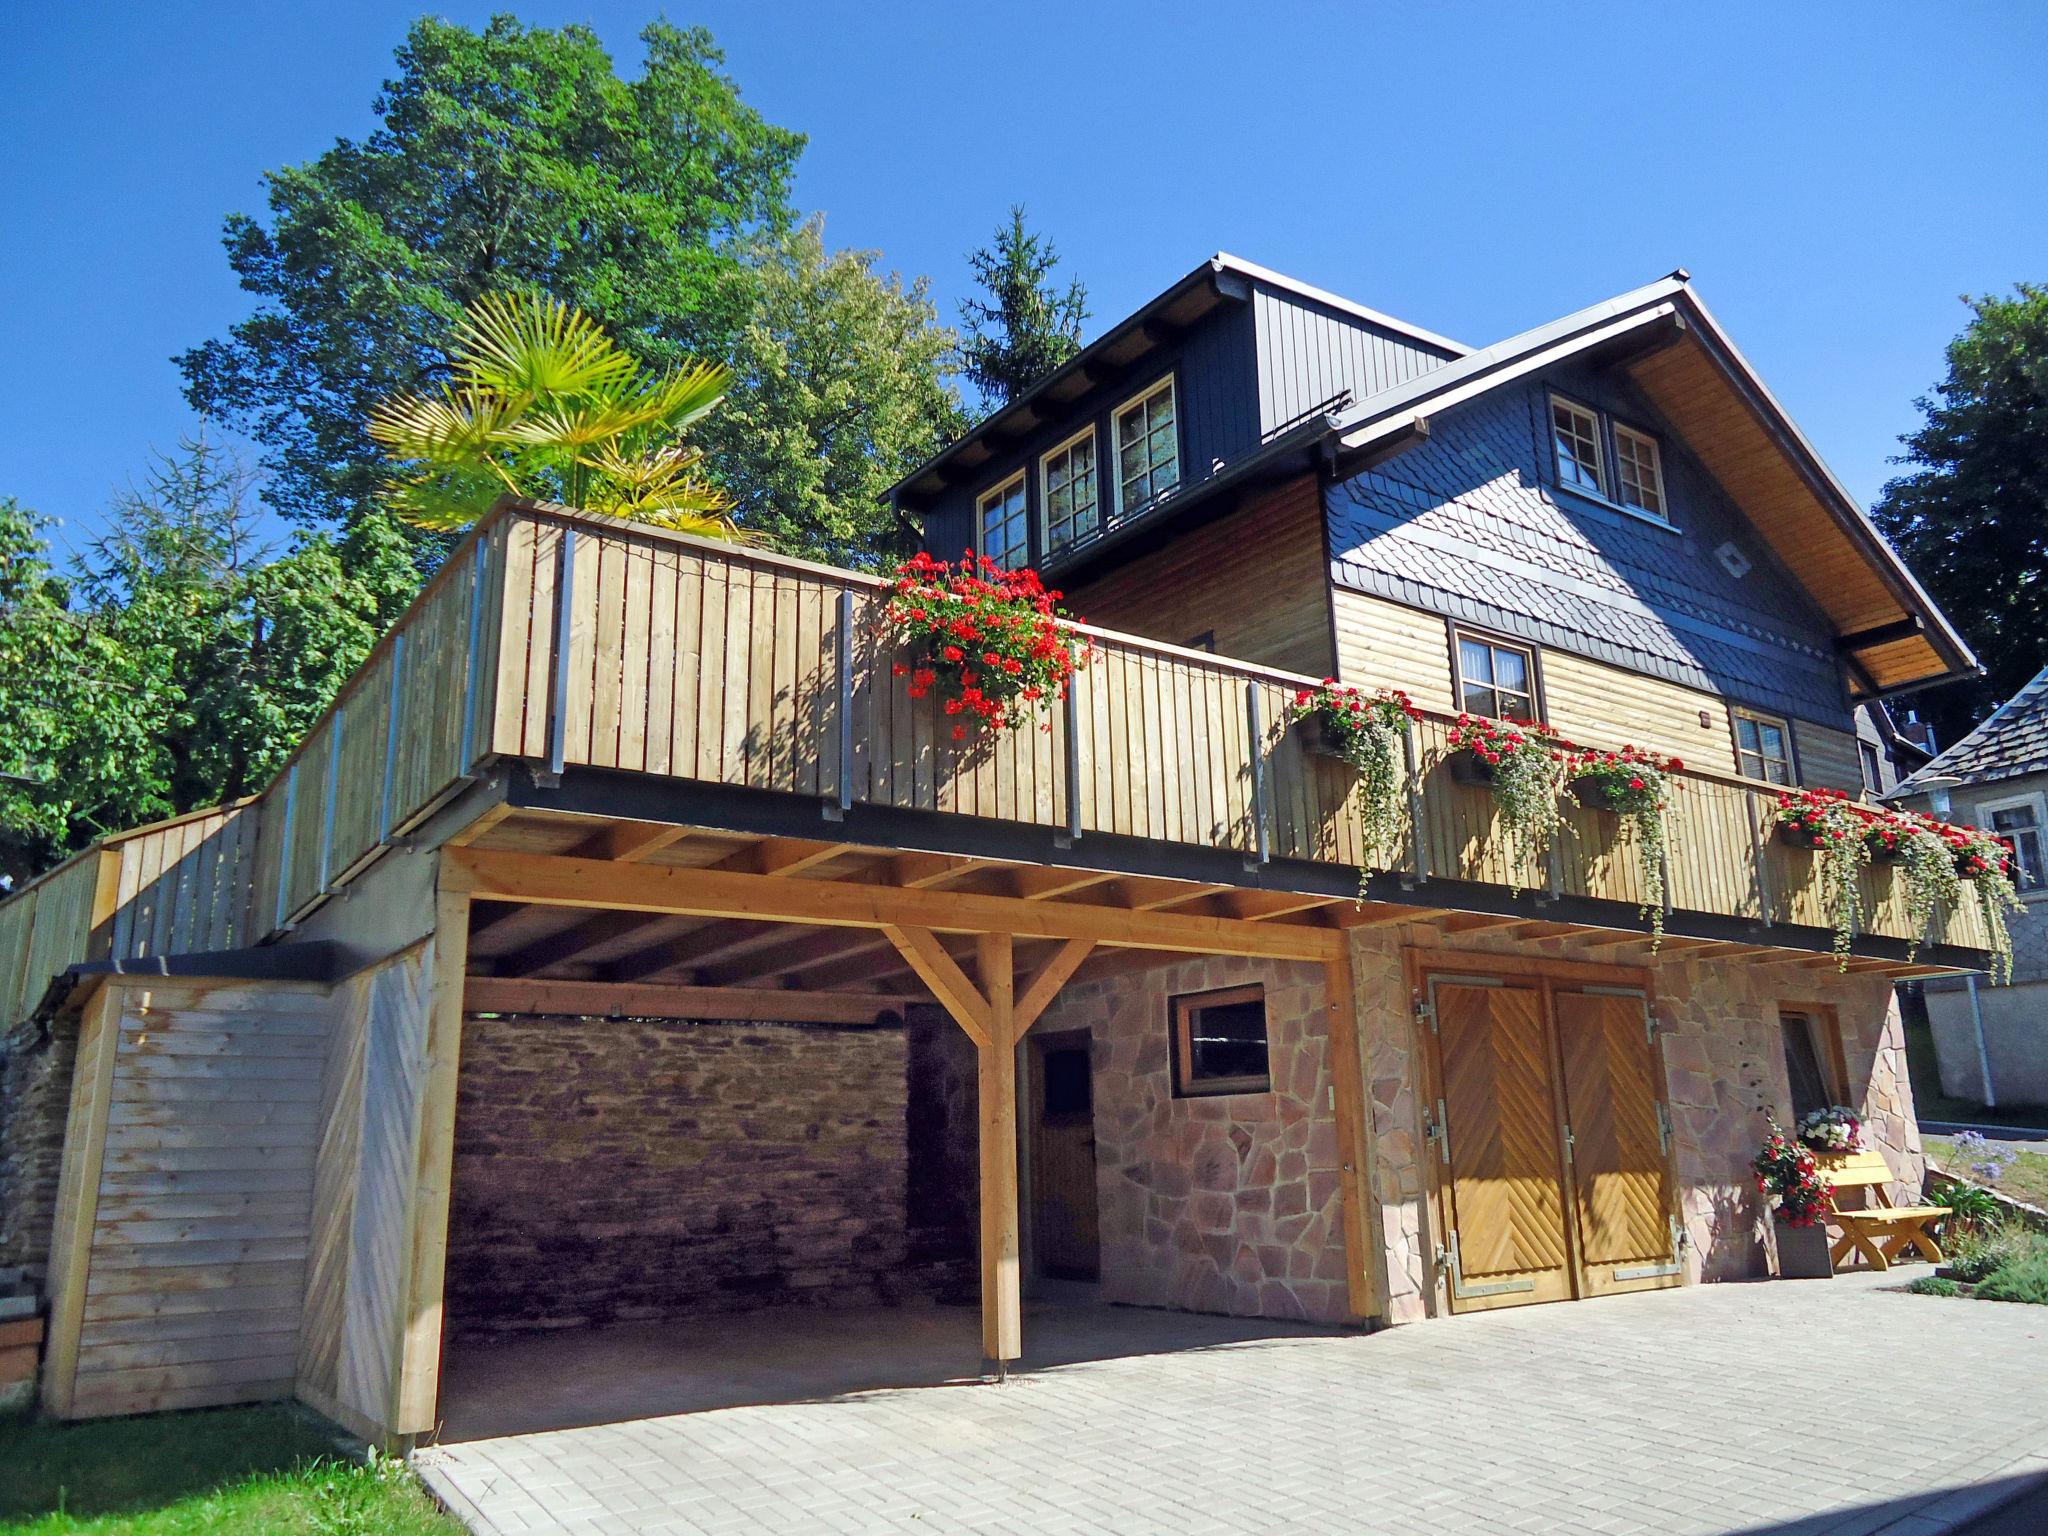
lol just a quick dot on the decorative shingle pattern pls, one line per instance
(1469, 525)
(2012, 740)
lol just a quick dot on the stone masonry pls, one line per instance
(35, 1097)
(610, 1170)
(1227, 1204)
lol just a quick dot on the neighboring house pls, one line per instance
(359, 1046)
(1992, 1042)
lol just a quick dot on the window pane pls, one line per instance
(1003, 524)
(1802, 1066)
(1778, 771)
(2026, 847)
(1577, 438)
(1227, 1040)
(1482, 701)
(1148, 451)
(1475, 661)
(1745, 734)
(1511, 669)
(1514, 706)
(1773, 740)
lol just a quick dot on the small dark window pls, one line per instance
(1069, 1090)
(1219, 1042)
(1805, 1067)
(1873, 767)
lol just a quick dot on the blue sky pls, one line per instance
(1833, 176)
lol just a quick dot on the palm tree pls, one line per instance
(545, 405)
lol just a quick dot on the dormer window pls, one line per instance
(1575, 432)
(1002, 524)
(1640, 471)
(1069, 493)
(1147, 448)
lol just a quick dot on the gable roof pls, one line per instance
(2011, 740)
(1891, 634)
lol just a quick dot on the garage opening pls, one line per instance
(633, 1197)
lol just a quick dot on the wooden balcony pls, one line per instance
(723, 687)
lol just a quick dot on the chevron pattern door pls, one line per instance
(1508, 1237)
(1621, 1173)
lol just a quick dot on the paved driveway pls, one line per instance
(1803, 1408)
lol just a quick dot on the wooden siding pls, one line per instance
(51, 925)
(360, 1233)
(194, 1240)
(1309, 352)
(1386, 644)
(1257, 581)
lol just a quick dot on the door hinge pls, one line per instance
(1663, 1127)
(1426, 1011)
(1568, 1142)
(1649, 1027)
(1440, 1132)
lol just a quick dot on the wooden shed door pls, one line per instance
(1505, 1212)
(1621, 1172)
(1064, 1234)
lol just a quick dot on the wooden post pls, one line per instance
(1364, 1242)
(78, 1194)
(418, 1380)
(1002, 1306)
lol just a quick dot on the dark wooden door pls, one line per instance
(1064, 1233)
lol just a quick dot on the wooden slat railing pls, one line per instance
(568, 640)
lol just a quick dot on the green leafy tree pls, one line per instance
(544, 405)
(1971, 514)
(1026, 326)
(511, 159)
(843, 383)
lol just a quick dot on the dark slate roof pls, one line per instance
(2012, 740)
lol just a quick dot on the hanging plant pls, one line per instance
(1826, 821)
(1986, 862)
(1788, 1176)
(1631, 783)
(1524, 762)
(987, 640)
(1366, 732)
(1927, 863)
(1885, 833)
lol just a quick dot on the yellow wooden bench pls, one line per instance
(1880, 1231)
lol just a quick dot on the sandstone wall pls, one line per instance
(35, 1097)
(1226, 1204)
(609, 1170)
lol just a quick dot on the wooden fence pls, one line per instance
(568, 640)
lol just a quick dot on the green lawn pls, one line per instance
(267, 1471)
(2026, 1179)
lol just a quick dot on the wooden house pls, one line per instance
(627, 941)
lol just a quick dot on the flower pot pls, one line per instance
(1803, 1251)
(1318, 735)
(1466, 767)
(1879, 854)
(1592, 794)
(1797, 837)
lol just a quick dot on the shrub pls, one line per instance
(1934, 1285)
(2022, 1280)
(1979, 1251)
(1968, 1207)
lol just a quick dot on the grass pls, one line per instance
(2026, 1179)
(1930, 1103)
(266, 1471)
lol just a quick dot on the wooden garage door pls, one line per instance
(1508, 1241)
(1620, 1171)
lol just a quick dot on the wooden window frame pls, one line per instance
(1598, 439)
(2036, 803)
(1635, 435)
(994, 492)
(1101, 526)
(1737, 713)
(1824, 1028)
(1180, 1011)
(1167, 384)
(1461, 632)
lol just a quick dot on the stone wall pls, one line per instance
(35, 1098)
(618, 1170)
(1227, 1204)
(1725, 1075)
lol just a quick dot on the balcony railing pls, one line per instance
(571, 641)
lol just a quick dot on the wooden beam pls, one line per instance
(1364, 1249)
(78, 1194)
(781, 856)
(1043, 883)
(626, 841)
(491, 816)
(562, 948)
(417, 1379)
(1002, 1309)
(1257, 906)
(765, 962)
(1376, 914)
(504, 876)
(949, 984)
(1473, 922)
(921, 871)
(1046, 981)
(605, 999)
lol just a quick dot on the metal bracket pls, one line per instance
(1664, 1127)
(1464, 1292)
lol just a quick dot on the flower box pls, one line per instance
(1591, 792)
(1798, 837)
(1318, 735)
(1803, 1251)
(1467, 767)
